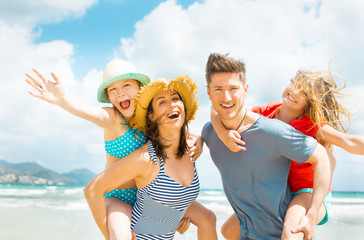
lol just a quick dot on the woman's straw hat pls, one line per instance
(182, 84)
(117, 70)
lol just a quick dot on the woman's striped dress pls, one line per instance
(161, 204)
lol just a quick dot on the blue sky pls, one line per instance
(75, 39)
(99, 30)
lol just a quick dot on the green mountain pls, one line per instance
(83, 176)
(35, 174)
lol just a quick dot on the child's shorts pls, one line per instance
(327, 203)
(125, 195)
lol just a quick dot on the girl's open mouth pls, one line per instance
(125, 104)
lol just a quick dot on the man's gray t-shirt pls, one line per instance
(255, 180)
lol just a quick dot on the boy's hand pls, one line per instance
(49, 91)
(183, 225)
(233, 141)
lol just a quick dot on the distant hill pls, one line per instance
(83, 175)
(35, 174)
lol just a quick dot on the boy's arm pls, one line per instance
(351, 143)
(53, 93)
(321, 184)
(230, 138)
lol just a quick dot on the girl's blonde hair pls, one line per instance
(321, 92)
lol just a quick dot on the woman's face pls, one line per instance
(122, 95)
(168, 108)
(294, 98)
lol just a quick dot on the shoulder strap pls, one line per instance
(125, 122)
(152, 153)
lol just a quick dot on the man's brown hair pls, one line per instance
(219, 63)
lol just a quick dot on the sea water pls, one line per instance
(49, 212)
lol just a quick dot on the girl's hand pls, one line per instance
(183, 225)
(49, 91)
(232, 140)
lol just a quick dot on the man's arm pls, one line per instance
(322, 175)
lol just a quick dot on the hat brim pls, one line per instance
(143, 79)
(182, 84)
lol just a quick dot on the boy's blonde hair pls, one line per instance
(321, 92)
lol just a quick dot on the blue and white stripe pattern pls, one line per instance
(161, 204)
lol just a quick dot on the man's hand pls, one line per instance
(307, 226)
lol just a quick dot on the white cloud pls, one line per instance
(32, 129)
(30, 13)
(273, 38)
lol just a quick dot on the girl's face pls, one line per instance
(294, 98)
(168, 108)
(122, 95)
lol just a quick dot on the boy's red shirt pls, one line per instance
(300, 175)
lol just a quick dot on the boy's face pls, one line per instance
(227, 93)
(122, 95)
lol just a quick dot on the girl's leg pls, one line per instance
(296, 210)
(118, 219)
(230, 229)
(204, 219)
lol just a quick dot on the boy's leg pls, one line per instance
(230, 228)
(296, 210)
(204, 219)
(118, 219)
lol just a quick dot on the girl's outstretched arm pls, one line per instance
(134, 166)
(351, 143)
(53, 92)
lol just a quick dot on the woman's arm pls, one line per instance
(53, 92)
(351, 143)
(230, 138)
(134, 166)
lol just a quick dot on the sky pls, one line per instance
(76, 39)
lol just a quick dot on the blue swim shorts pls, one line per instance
(126, 195)
(327, 203)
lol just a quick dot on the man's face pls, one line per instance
(227, 93)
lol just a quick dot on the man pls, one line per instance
(255, 180)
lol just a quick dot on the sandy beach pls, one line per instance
(37, 213)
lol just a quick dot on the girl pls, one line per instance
(310, 105)
(163, 169)
(121, 84)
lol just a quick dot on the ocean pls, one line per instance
(49, 212)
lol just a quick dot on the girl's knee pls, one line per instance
(227, 232)
(207, 219)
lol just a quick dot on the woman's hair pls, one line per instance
(321, 92)
(152, 133)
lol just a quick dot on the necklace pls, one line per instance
(242, 120)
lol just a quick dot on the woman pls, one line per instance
(162, 169)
